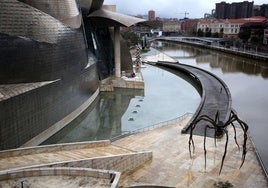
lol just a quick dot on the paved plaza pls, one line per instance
(172, 166)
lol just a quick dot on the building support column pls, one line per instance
(117, 51)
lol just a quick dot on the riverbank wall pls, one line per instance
(246, 54)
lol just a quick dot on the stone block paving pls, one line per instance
(172, 166)
(59, 156)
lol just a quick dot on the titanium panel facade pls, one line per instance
(45, 41)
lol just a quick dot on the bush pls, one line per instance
(221, 184)
(131, 38)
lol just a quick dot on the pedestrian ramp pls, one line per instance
(95, 155)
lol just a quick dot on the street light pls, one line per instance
(22, 180)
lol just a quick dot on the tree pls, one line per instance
(208, 32)
(200, 33)
(244, 35)
(216, 35)
(221, 33)
(226, 184)
(131, 38)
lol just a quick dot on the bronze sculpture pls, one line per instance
(220, 129)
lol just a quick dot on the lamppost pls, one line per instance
(22, 180)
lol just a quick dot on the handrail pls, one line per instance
(151, 127)
(185, 68)
(258, 156)
(203, 94)
(250, 54)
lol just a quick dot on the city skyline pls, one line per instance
(170, 8)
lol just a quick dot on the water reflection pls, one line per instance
(227, 63)
(166, 96)
(248, 84)
(102, 120)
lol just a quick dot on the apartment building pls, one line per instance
(228, 27)
(234, 10)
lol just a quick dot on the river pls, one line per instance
(247, 80)
(167, 96)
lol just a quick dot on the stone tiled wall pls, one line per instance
(119, 163)
(122, 163)
(28, 114)
(52, 148)
(67, 171)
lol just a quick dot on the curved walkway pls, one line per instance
(215, 95)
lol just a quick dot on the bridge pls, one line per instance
(199, 40)
(218, 44)
(202, 40)
(215, 95)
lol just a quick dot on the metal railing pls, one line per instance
(151, 127)
(252, 52)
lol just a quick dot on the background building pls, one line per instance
(229, 28)
(188, 26)
(171, 27)
(151, 15)
(234, 10)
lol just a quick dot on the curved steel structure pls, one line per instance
(105, 17)
(36, 46)
(52, 58)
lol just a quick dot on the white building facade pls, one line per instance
(228, 27)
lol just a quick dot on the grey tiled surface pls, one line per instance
(10, 90)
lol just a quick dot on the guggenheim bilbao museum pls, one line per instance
(54, 53)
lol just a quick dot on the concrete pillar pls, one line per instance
(117, 51)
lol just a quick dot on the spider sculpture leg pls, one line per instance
(244, 127)
(225, 149)
(235, 135)
(192, 127)
(191, 141)
(205, 150)
(220, 129)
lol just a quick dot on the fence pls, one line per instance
(151, 127)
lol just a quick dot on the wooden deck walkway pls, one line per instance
(215, 96)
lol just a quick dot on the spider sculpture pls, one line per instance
(220, 129)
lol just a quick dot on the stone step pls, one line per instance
(54, 156)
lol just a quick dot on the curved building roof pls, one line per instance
(65, 11)
(28, 22)
(103, 17)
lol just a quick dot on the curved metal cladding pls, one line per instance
(99, 39)
(40, 41)
(64, 10)
(36, 46)
(96, 5)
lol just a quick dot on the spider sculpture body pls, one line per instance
(220, 129)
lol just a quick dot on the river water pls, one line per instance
(247, 80)
(167, 96)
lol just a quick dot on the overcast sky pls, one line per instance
(170, 8)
